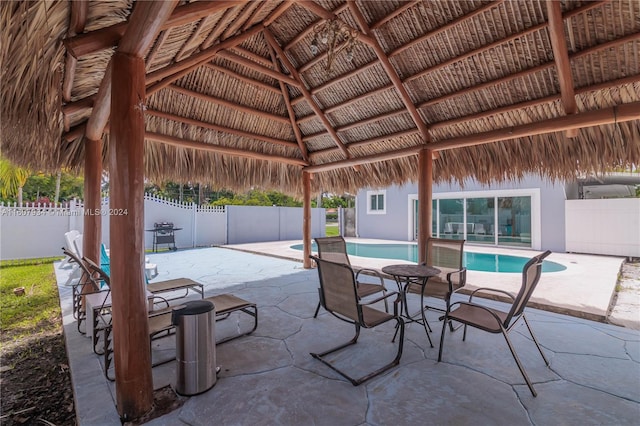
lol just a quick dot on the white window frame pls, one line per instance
(382, 192)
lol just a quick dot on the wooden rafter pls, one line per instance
(251, 20)
(292, 114)
(617, 114)
(221, 129)
(561, 58)
(254, 57)
(391, 72)
(284, 6)
(76, 25)
(243, 78)
(173, 72)
(253, 66)
(492, 83)
(395, 13)
(239, 20)
(104, 38)
(482, 115)
(222, 23)
(459, 58)
(137, 42)
(203, 146)
(229, 104)
(285, 60)
(162, 38)
(182, 53)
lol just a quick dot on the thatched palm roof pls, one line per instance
(235, 96)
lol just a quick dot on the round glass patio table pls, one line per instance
(405, 275)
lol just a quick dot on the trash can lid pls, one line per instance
(191, 308)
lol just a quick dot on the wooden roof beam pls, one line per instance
(395, 13)
(104, 38)
(175, 71)
(182, 53)
(259, 68)
(283, 57)
(162, 38)
(616, 114)
(203, 146)
(254, 15)
(218, 128)
(220, 26)
(254, 57)
(147, 20)
(311, 26)
(561, 58)
(284, 6)
(391, 72)
(229, 104)
(292, 115)
(243, 78)
(239, 20)
(77, 20)
(493, 45)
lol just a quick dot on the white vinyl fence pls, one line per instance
(609, 226)
(38, 231)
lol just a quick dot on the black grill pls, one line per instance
(163, 233)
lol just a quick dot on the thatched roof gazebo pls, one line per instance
(303, 96)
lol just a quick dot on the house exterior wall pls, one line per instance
(396, 223)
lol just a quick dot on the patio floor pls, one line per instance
(270, 378)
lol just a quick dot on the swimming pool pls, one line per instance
(486, 262)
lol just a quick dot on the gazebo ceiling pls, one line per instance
(236, 96)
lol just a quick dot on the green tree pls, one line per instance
(12, 180)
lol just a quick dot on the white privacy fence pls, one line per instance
(38, 230)
(609, 226)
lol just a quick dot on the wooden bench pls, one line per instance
(160, 323)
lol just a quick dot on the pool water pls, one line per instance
(486, 262)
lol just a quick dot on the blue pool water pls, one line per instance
(486, 262)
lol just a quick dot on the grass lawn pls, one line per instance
(332, 230)
(38, 309)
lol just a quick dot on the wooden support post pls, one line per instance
(92, 231)
(306, 218)
(132, 353)
(425, 197)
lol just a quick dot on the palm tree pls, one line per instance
(12, 179)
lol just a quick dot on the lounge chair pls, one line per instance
(496, 321)
(69, 246)
(160, 312)
(87, 284)
(334, 249)
(339, 296)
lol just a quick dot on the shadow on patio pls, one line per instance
(270, 378)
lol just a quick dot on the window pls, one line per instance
(376, 202)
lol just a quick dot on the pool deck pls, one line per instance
(585, 289)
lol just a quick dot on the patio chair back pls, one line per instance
(531, 273)
(333, 249)
(338, 289)
(447, 255)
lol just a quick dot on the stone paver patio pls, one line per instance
(270, 378)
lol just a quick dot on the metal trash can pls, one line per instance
(195, 346)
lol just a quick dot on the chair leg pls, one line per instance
(356, 382)
(535, 340)
(520, 367)
(319, 303)
(444, 329)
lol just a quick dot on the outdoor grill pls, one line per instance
(164, 233)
